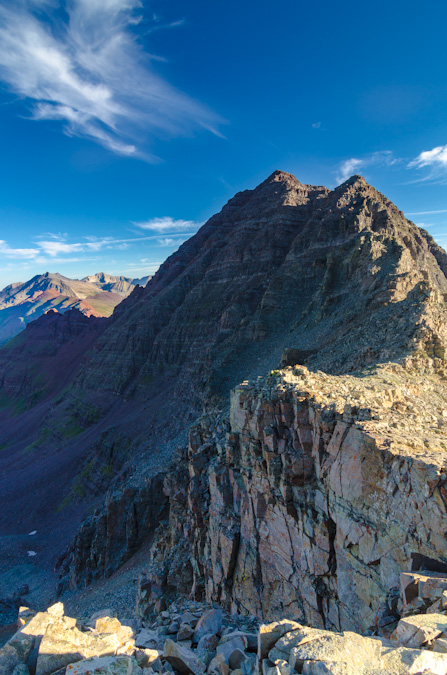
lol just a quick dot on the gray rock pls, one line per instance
(21, 669)
(23, 644)
(218, 666)
(107, 624)
(185, 632)
(440, 646)
(236, 659)
(182, 659)
(414, 631)
(251, 638)
(105, 665)
(149, 658)
(56, 610)
(9, 659)
(227, 648)
(270, 633)
(248, 667)
(189, 618)
(209, 622)
(100, 615)
(150, 639)
(353, 650)
(173, 627)
(61, 646)
(269, 668)
(206, 648)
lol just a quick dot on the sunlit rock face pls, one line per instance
(311, 499)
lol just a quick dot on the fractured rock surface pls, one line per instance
(311, 500)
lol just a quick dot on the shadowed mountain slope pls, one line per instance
(342, 274)
(339, 278)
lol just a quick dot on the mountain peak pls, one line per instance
(354, 180)
(282, 177)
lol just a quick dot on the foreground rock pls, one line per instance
(316, 652)
(105, 665)
(182, 659)
(52, 643)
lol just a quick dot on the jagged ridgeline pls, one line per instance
(96, 295)
(286, 274)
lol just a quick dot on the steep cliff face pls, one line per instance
(311, 499)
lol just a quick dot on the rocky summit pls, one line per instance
(260, 432)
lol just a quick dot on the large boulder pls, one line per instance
(270, 633)
(209, 622)
(228, 650)
(415, 631)
(105, 665)
(60, 647)
(182, 659)
(313, 651)
(355, 653)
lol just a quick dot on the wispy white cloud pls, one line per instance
(316, 125)
(169, 241)
(436, 157)
(168, 224)
(57, 249)
(351, 166)
(348, 168)
(425, 213)
(434, 160)
(89, 71)
(19, 253)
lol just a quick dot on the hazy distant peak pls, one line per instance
(95, 295)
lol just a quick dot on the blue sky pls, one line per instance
(125, 124)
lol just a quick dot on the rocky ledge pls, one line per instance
(310, 500)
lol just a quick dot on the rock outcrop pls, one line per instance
(113, 533)
(336, 279)
(311, 499)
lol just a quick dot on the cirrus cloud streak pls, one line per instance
(84, 66)
(168, 224)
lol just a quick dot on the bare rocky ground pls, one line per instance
(187, 637)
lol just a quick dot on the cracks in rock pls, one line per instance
(332, 532)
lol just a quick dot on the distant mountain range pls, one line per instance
(95, 295)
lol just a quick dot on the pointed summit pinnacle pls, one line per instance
(281, 177)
